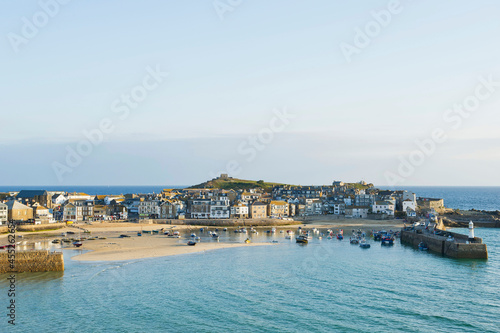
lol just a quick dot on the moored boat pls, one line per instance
(387, 240)
(301, 239)
(422, 246)
(191, 243)
(363, 244)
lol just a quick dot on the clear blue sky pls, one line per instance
(352, 120)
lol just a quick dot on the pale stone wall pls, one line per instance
(32, 261)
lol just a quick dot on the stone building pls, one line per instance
(258, 210)
(18, 211)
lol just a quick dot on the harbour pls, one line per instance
(324, 286)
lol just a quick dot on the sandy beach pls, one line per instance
(114, 248)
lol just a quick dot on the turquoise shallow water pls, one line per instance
(325, 286)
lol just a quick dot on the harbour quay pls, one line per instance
(446, 243)
(32, 261)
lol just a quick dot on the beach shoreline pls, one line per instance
(109, 246)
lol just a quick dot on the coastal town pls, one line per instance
(261, 202)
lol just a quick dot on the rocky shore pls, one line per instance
(461, 219)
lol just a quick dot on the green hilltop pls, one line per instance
(229, 183)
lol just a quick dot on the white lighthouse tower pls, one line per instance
(471, 232)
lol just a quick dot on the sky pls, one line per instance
(304, 92)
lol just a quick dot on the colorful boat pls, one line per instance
(422, 246)
(387, 240)
(302, 239)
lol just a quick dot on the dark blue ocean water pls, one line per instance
(95, 190)
(461, 197)
(465, 198)
(324, 286)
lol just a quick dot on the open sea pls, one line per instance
(324, 286)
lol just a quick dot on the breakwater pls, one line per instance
(32, 261)
(224, 222)
(456, 246)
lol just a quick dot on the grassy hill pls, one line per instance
(236, 184)
(243, 184)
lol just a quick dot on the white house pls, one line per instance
(339, 208)
(219, 208)
(313, 207)
(384, 207)
(409, 204)
(149, 207)
(110, 198)
(409, 195)
(58, 199)
(360, 212)
(43, 215)
(4, 213)
(239, 210)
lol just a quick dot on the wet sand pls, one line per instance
(148, 246)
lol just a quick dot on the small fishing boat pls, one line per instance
(247, 240)
(77, 244)
(197, 238)
(193, 235)
(363, 244)
(422, 246)
(354, 241)
(225, 229)
(215, 236)
(124, 236)
(340, 236)
(55, 241)
(191, 243)
(387, 240)
(288, 237)
(302, 239)
(139, 234)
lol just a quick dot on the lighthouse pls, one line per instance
(471, 232)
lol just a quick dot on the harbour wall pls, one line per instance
(35, 227)
(32, 261)
(454, 249)
(223, 222)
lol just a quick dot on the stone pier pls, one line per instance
(459, 247)
(32, 261)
